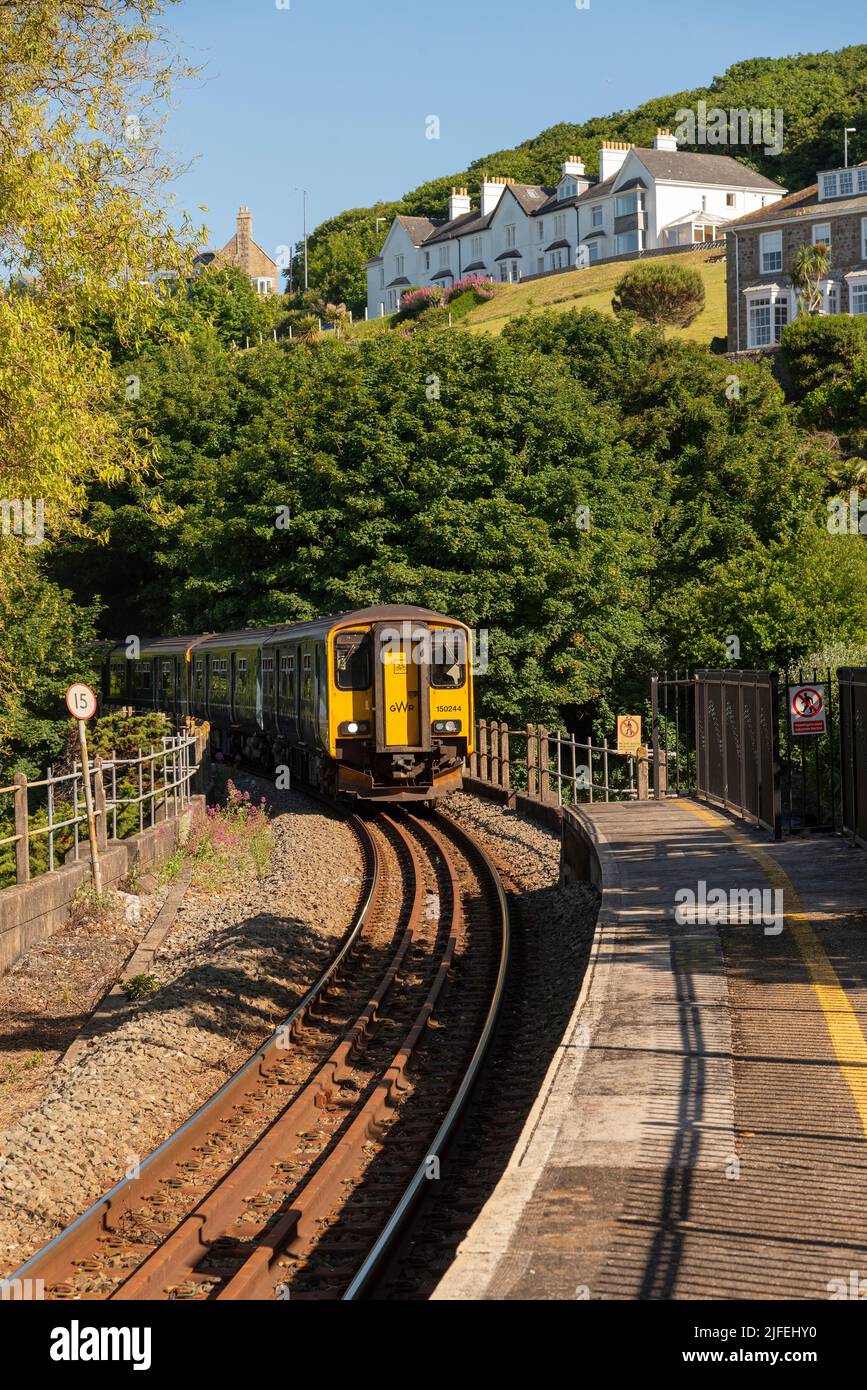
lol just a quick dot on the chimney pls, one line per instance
(611, 157)
(491, 191)
(664, 140)
(573, 166)
(459, 203)
(244, 239)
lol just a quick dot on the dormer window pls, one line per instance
(847, 181)
(568, 189)
(829, 185)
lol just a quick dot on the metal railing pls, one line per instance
(853, 743)
(555, 767)
(157, 783)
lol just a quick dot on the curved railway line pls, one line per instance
(295, 1179)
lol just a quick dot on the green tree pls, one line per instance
(660, 292)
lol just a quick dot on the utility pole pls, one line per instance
(847, 131)
(305, 238)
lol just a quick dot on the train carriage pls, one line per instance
(375, 704)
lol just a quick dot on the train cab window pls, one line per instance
(448, 667)
(352, 661)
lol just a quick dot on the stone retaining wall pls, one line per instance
(31, 912)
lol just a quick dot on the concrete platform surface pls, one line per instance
(701, 1130)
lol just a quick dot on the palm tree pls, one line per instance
(810, 266)
(307, 328)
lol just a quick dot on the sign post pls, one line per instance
(81, 703)
(808, 709)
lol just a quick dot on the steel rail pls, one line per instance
(65, 1241)
(385, 1242)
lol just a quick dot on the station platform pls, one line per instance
(702, 1129)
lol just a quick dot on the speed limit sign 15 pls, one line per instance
(81, 701)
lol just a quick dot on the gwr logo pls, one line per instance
(401, 707)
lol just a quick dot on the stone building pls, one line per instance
(761, 249)
(244, 253)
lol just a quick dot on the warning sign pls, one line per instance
(808, 709)
(628, 733)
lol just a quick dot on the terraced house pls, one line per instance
(642, 199)
(761, 250)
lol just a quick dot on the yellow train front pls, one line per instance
(375, 705)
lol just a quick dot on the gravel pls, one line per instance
(231, 969)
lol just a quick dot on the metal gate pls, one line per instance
(810, 763)
(853, 750)
(737, 759)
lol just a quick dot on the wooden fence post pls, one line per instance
(495, 752)
(505, 764)
(99, 806)
(22, 829)
(483, 749)
(544, 768)
(642, 774)
(532, 763)
(474, 756)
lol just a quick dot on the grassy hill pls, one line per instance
(818, 93)
(593, 289)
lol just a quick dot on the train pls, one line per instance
(371, 705)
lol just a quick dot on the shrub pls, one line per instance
(820, 351)
(413, 302)
(140, 986)
(660, 293)
(481, 288)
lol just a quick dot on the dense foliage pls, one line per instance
(818, 94)
(660, 292)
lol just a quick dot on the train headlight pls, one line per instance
(447, 726)
(354, 726)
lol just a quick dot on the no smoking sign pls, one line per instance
(808, 709)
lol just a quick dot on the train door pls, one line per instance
(400, 687)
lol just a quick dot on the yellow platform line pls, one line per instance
(847, 1038)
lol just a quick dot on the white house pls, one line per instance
(641, 200)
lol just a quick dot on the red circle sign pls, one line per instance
(808, 703)
(81, 701)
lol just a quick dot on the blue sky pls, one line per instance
(332, 95)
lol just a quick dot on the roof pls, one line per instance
(476, 265)
(419, 228)
(557, 245)
(702, 168)
(511, 255)
(401, 280)
(805, 203)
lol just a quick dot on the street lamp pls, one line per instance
(847, 131)
(304, 191)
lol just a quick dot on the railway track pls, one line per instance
(295, 1179)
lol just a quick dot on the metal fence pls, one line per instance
(853, 747)
(737, 760)
(128, 795)
(555, 767)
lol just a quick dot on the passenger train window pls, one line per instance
(307, 681)
(287, 676)
(166, 677)
(200, 676)
(143, 676)
(242, 668)
(448, 665)
(267, 676)
(352, 661)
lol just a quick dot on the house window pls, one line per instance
(781, 317)
(862, 180)
(846, 181)
(627, 241)
(540, 231)
(511, 232)
(560, 225)
(858, 297)
(593, 248)
(772, 251)
(263, 285)
(596, 217)
(540, 264)
(829, 185)
(864, 238)
(476, 250)
(831, 294)
(426, 260)
(625, 204)
(444, 254)
(557, 259)
(822, 232)
(398, 265)
(759, 322)
(730, 200)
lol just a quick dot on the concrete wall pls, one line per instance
(579, 848)
(31, 912)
